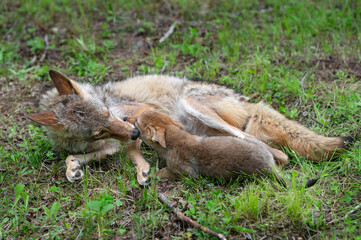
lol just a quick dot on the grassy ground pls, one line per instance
(300, 56)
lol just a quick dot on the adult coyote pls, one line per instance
(79, 117)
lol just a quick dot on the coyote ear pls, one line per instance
(63, 84)
(46, 118)
(158, 135)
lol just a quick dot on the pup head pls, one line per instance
(77, 112)
(153, 125)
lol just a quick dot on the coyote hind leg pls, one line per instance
(211, 118)
(269, 125)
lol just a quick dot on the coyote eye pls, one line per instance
(99, 134)
(80, 115)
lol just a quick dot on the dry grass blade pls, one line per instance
(346, 216)
(170, 32)
(46, 41)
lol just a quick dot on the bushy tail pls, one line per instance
(269, 125)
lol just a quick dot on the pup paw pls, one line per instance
(73, 169)
(164, 173)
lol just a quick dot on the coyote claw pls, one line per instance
(73, 171)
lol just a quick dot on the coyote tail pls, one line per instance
(270, 126)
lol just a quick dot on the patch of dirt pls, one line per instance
(327, 68)
(17, 99)
(13, 98)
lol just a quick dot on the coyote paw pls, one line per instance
(73, 171)
(143, 175)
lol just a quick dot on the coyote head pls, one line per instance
(77, 112)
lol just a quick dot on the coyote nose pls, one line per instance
(135, 133)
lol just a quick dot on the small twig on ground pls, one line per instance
(303, 80)
(346, 216)
(318, 122)
(46, 41)
(247, 236)
(47, 168)
(170, 32)
(206, 63)
(8, 32)
(81, 230)
(164, 66)
(163, 199)
(33, 60)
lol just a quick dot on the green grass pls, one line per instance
(302, 57)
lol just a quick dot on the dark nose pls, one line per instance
(135, 133)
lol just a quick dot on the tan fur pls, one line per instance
(269, 125)
(79, 117)
(186, 154)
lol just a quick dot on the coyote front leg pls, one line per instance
(75, 162)
(133, 151)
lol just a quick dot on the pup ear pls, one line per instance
(158, 135)
(178, 124)
(132, 120)
(63, 84)
(46, 119)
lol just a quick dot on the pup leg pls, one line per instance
(165, 173)
(269, 125)
(210, 117)
(74, 162)
(133, 151)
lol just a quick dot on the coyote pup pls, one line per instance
(187, 154)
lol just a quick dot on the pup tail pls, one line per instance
(311, 182)
(286, 183)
